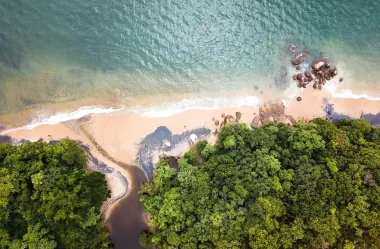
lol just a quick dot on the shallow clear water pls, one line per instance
(54, 51)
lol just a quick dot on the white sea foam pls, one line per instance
(171, 108)
(46, 118)
(163, 110)
(348, 93)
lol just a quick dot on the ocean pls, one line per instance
(161, 57)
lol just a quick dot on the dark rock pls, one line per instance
(256, 122)
(299, 76)
(238, 115)
(305, 80)
(319, 63)
(340, 79)
(172, 160)
(286, 119)
(223, 115)
(279, 76)
(216, 122)
(333, 72)
(293, 47)
(328, 65)
(229, 119)
(299, 98)
(315, 85)
(307, 74)
(298, 67)
(294, 77)
(299, 84)
(298, 59)
(320, 87)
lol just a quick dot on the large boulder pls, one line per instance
(286, 119)
(193, 139)
(298, 59)
(319, 63)
(238, 115)
(229, 119)
(256, 122)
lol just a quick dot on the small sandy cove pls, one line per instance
(119, 133)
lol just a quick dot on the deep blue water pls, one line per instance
(52, 51)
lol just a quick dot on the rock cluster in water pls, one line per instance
(321, 72)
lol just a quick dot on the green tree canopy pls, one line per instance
(48, 199)
(312, 185)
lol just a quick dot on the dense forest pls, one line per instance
(311, 185)
(48, 199)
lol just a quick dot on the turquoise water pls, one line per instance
(55, 51)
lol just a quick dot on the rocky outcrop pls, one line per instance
(238, 115)
(298, 59)
(321, 72)
(229, 119)
(172, 160)
(274, 112)
(256, 122)
(319, 63)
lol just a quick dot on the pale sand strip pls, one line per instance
(119, 133)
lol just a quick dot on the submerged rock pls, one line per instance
(298, 59)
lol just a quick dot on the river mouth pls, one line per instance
(126, 219)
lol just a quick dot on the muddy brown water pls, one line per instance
(126, 220)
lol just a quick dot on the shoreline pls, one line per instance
(115, 138)
(163, 106)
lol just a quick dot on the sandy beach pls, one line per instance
(114, 138)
